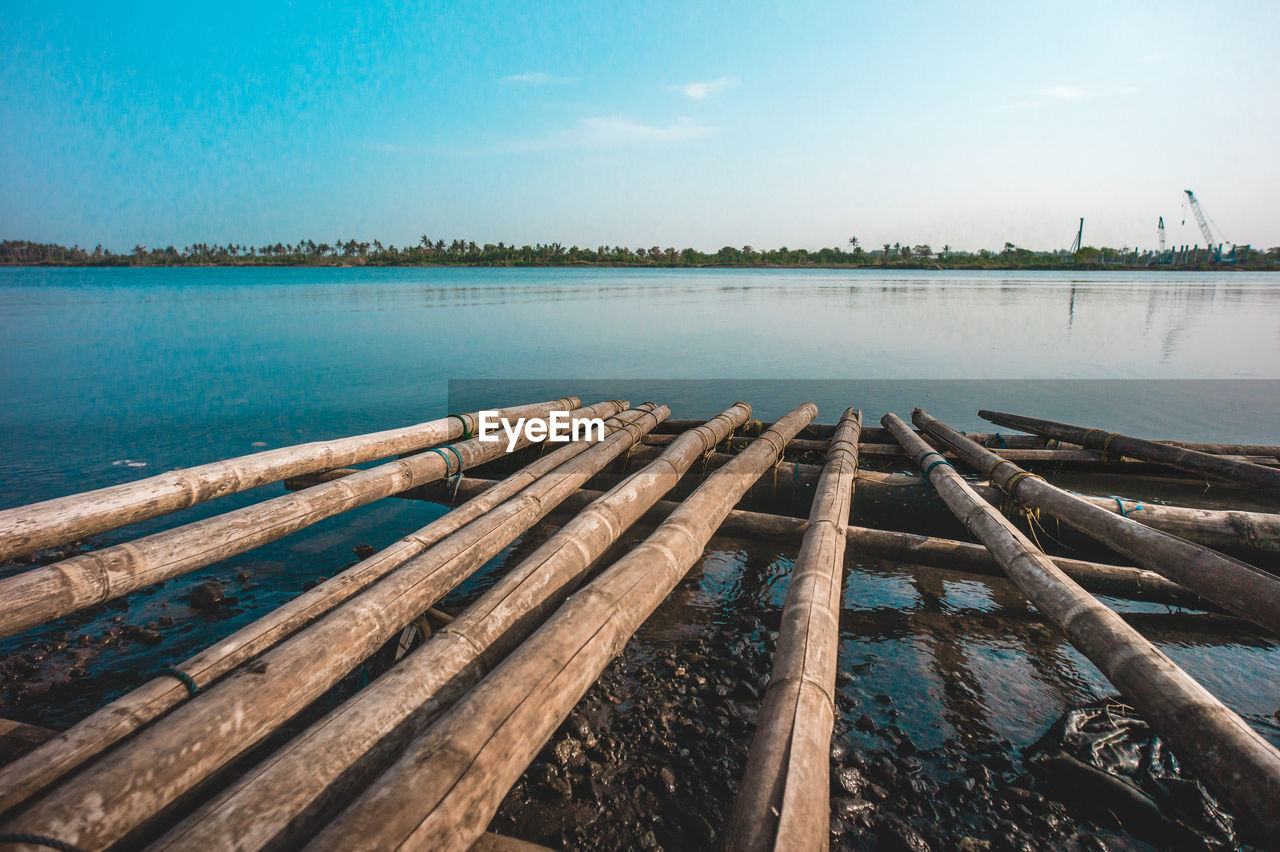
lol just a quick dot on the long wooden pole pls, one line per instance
(1061, 455)
(874, 435)
(270, 805)
(461, 768)
(123, 789)
(26, 529)
(126, 714)
(1233, 585)
(1118, 580)
(1212, 527)
(784, 801)
(1138, 448)
(42, 594)
(1232, 758)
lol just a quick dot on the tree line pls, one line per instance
(427, 252)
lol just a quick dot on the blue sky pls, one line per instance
(654, 123)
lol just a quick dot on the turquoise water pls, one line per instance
(103, 368)
(115, 374)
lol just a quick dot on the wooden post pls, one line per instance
(42, 594)
(1138, 448)
(275, 804)
(1230, 583)
(27, 529)
(123, 789)
(460, 769)
(1228, 755)
(784, 801)
(128, 713)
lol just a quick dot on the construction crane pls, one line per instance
(1075, 247)
(1201, 220)
(1160, 234)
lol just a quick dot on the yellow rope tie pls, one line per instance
(995, 464)
(835, 445)
(1106, 445)
(1012, 481)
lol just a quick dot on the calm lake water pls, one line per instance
(112, 375)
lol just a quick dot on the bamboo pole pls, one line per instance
(784, 801)
(131, 711)
(1211, 527)
(1117, 580)
(872, 435)
(479, 748)
(1230, 583)
(1232, 758)
(26, 529)
(1065, 455)
(275, 803)
(43, 594)
(125, 788)
(1138, 448)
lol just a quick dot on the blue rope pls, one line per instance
(935, 464)
(466, 427)
(39, 840)
(1120, 503)
(941, 460)
(187, 680)
(448, 465)
(996, 437)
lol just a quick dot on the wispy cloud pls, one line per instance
(704, 89)
(615, 131)
(1066, 92)
(536, 78)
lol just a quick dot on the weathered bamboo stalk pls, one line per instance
(872, 435)
(461, 768)
(1211, 527)
(1067, 455)
(1139, 448)
(270, 805)
(784, 801)
(123, 789)
(1120, 581)
(1232, 758)
(126, 714)
(1233, 585)
(43, 594)
(26, 529)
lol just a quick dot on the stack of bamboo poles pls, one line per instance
(120, 792)
(424, 755)
(130, 712)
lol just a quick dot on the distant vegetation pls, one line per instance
(428, 252)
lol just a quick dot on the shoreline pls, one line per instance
(910, 267)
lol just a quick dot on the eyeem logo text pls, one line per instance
(557, 428)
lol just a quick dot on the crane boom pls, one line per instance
(1200, 219)
(1075, 246)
